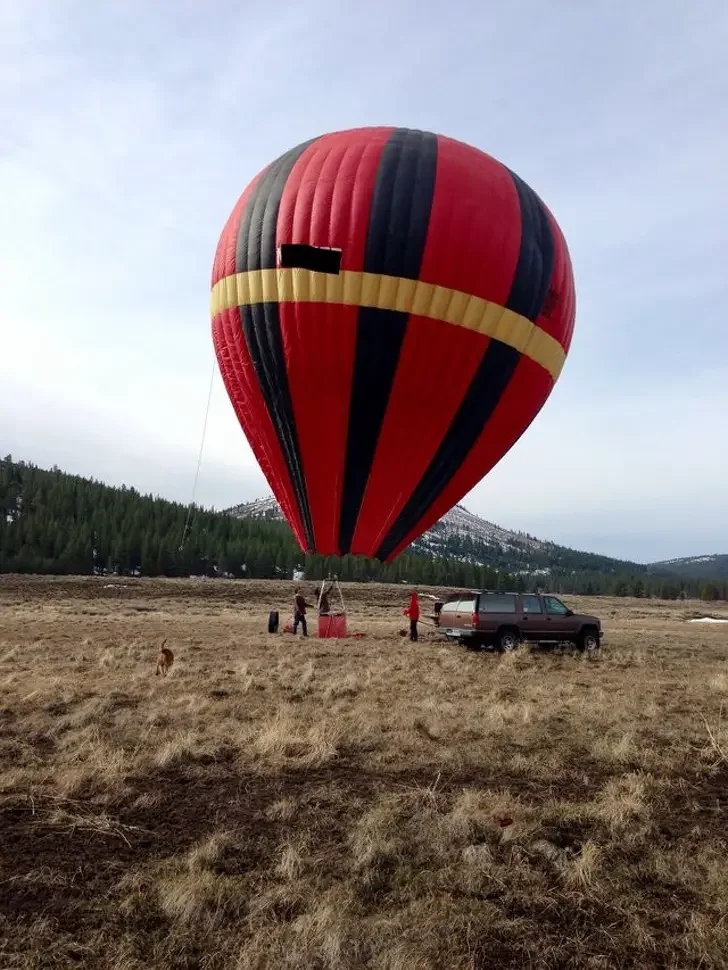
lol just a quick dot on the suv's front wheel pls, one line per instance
(507, 640)
(588, 640)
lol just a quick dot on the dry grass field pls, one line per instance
(322, 804)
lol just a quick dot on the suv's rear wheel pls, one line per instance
(588, 640)
(507, 640)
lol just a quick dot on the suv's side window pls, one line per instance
(498, 603)
(532, 604)
(450, 607)
(554, 606)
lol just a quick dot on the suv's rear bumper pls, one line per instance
(456, 633)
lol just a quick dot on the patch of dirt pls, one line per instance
(63, 866)
(699, 801)
(83, 859)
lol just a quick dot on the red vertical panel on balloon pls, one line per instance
(522, 399)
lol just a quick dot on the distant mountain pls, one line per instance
(462, 535)
(458, 522)
(693, 567)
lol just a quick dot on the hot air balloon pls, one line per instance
(390, 310)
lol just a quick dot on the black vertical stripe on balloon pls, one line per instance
(536, 258)
(396, 236)
(528, 290)
(256, 250)
(256, 242)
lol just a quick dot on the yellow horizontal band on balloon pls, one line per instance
(351, 288)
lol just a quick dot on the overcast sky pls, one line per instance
(128, 130)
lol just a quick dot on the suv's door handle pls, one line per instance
(525, 617)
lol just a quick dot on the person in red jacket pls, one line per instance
(413, 612)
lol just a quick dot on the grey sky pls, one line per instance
(128, 132)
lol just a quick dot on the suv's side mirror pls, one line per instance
(569, 612)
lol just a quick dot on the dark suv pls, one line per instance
(503, 620)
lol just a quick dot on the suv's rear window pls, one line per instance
(459, 606)
(531, 604)
(497, 603)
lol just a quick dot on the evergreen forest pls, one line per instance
(52, 522)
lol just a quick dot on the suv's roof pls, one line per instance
(494, 592)
(486, 592)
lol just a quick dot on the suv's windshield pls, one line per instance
(554, 606)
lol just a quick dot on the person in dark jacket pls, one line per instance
(299, 611)
(323, 602)
(413, 612)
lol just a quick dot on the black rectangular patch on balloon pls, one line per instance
(318, 259)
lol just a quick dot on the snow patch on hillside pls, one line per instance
(688, 560)
(259, 508)
(462, 523)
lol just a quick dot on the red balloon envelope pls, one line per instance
(390, 310)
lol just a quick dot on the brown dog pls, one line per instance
(165, 659)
